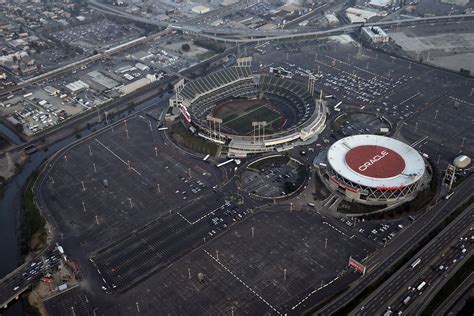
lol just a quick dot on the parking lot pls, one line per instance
(425, 102)
(156, 245)
(120, 180)
(271, 181)
(92, 35)
(380, 232)
(74, 301)
(361, 123)
(266, 265)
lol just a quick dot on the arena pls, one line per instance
(249, 113)
(374, 170)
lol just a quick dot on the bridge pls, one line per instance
(22, 278)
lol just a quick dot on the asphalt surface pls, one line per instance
(244, 267)
(444, 251)
(21, 279)
(389, 255)
(105, 203)
(427, 103)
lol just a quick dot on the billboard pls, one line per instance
(357, 265)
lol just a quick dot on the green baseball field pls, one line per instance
(238, 115)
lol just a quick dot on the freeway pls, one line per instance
(410, 286)
(256, 36)
(19, 280)
(379, 264)
(220, 33)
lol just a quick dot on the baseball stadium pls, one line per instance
(249, 113)
(374, 170)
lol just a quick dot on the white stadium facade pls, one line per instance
(374, 170)
(197, 98)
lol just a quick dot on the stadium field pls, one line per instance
(238, 115)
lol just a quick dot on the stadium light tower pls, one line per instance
(214, 126)
(259, 129)
(311, 82)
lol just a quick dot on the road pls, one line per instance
(224, 34)
(441, 254)
(380, 263)
(147, 92)
(21, 279)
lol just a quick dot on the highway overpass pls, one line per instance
(244, 35)
(22, 278)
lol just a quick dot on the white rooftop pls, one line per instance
(376, 161)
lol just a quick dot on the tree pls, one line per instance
(185, 47)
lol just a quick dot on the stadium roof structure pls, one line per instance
(376, 161)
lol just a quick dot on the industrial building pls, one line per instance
(380, 4)
(375, 170)
(374, 35)
(356, 15)
(137, 84)
(77, 86)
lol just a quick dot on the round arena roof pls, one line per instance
(376, 161)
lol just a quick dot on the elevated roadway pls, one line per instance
(443, 251)
(400, 246)
(244, 35)
(23, 277)
(456, 299)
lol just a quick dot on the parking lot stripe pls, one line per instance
(184, 218)
(117, 156)
(245, 284)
